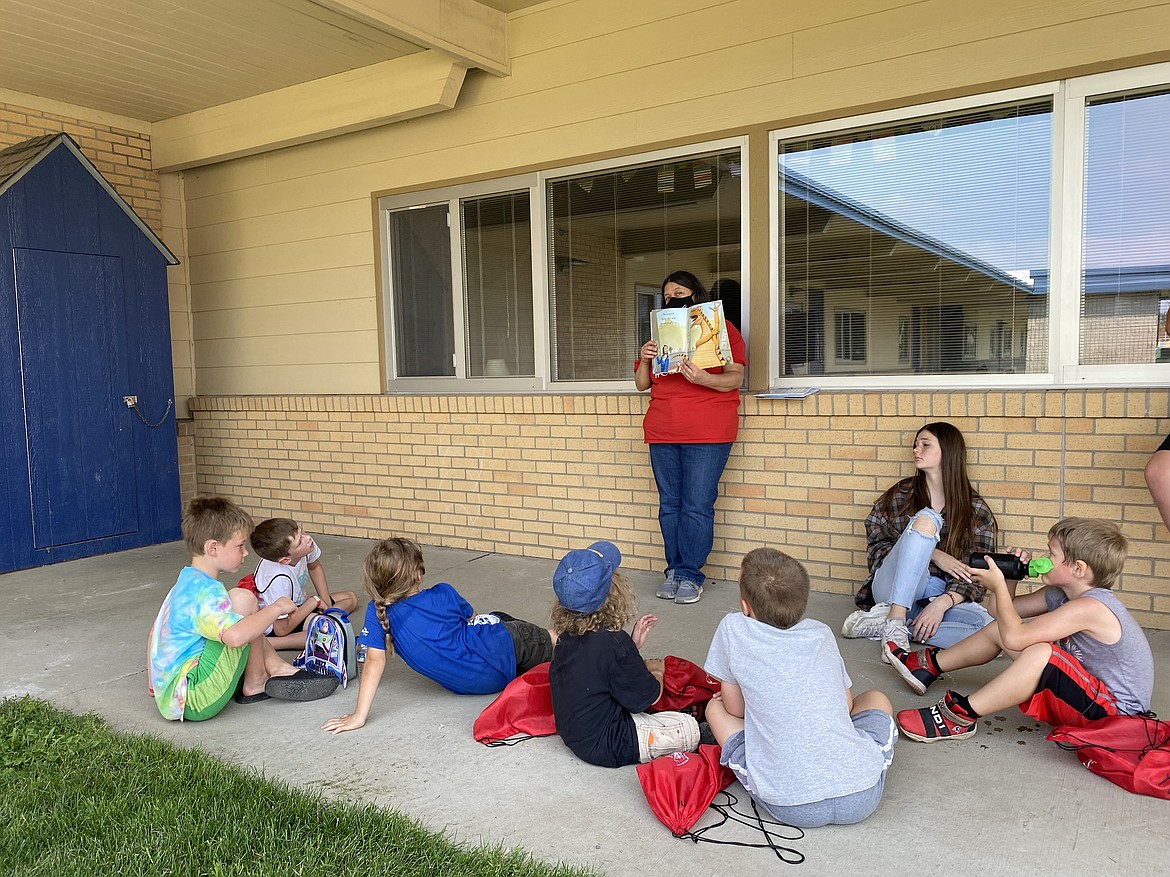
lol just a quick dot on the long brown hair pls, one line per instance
(390, 573)
(958, 493)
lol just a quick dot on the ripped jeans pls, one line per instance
(904, 578)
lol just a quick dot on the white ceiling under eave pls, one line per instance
(223, 78)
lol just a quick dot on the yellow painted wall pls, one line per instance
(282, 245)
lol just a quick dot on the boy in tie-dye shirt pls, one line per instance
(202, 641)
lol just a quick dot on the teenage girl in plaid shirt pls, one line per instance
(920, 534)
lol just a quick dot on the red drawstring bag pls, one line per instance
(680, 787)
(684, 685)
(522, 710)
(248, 582)
(1130, 751)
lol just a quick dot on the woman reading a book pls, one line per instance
(690, 425)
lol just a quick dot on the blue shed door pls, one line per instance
(71, 329)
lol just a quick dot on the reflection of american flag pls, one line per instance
(702, 176)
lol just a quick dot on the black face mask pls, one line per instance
(681, 302)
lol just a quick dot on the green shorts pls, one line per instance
(213, 681)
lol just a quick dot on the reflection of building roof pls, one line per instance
(1123, 279)
(802, 187)
(1135, 278)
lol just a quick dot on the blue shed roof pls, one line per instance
(19, 159)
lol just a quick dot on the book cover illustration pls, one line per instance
(697, 333)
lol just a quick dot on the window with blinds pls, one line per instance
(496, 236)
(1125, 271)
(906, 247)
(923, 242)
(483, 298)
(420, 284)
(614, 232)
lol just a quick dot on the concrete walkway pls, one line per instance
(1005, 802)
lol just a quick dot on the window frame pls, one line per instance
(1075, 96)
(846, 327)
(1070, 99)
(452, 197)
(536, 184)
(950, 380)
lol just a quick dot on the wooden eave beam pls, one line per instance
(415, 85)
(473, 33)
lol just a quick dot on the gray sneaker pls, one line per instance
(866, 624)
(302, 686)
(895, 634)
(688, 591)
(668, 588)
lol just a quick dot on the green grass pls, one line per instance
(78, 798)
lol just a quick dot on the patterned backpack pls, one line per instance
(329, 646)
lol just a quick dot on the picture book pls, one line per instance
(697, 333)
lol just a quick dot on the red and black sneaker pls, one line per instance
(918, 669)
(949, 719)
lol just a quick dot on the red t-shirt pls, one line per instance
(684, 413)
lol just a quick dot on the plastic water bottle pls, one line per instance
(361, 657)
(1012, 567)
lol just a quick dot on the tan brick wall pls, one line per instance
(122, 156)
(536, 475)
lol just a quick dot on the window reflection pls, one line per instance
(930, 234)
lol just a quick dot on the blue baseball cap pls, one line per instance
(583, 576)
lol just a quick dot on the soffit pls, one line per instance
(156, 59)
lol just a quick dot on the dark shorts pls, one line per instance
(1068, 694)
(1165, 446)
(531, 642)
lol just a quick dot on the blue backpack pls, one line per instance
(329, 646)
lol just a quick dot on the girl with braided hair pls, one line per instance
(435, 632)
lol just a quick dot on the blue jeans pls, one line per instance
(873, 725)
(904, 578)
(688, 484)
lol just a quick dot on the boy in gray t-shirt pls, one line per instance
(802, 746)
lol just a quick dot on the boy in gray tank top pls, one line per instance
(1081, 656)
